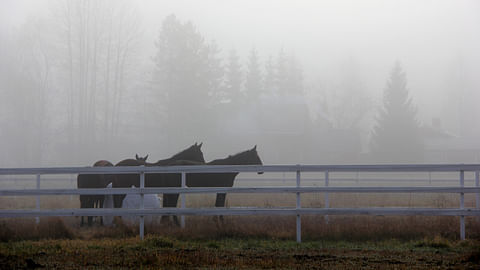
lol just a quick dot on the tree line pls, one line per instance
(77, 87)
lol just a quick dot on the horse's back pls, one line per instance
(103, 163)
(130, 162)
(211, 179)
(183, 162)
(90, 181)
(126, 180)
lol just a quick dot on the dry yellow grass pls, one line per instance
(276, 227)
(313, 227)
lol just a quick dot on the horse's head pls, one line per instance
(193, 153)
(144, 159)
(249, 157)
(254, 158)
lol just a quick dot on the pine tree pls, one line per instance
(281, 79)
(253, 81)
(213, 72)
(188, 76)
(234, 78)
(294, 81)
(269, 81)
(288, 76)
(396, 137)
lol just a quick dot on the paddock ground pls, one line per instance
(233, 253)
(257, 242)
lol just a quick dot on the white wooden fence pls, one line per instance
(461, 211)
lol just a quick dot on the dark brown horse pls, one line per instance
(93, 181)
(193, 153)
(249, 157)
(144, 159)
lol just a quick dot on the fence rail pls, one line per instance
(298, 210)
(244, 168)
(196, 190)
(242, 211)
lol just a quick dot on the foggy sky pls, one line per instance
(434, 40)
(423, 35)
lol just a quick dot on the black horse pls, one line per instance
(193, 153)
(144, 159)
(248, 157)
(93, 181)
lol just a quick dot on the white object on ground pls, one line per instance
(132, 201)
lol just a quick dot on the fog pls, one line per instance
(308, 82)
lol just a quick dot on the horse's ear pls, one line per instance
(195, 144)
(254, 148)
(136, 157)
(146, 157)
(200, 145)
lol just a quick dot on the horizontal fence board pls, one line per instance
(244, 168)
(275, 180)
(141, 170)
(196, 190)
(384, 211)
(333, 179)
(137, 170)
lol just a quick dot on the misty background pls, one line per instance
(308, 82)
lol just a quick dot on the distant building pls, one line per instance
(443, 147)
(278, 125)
(285, 133)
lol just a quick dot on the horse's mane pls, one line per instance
(130, 162)
(230, 157)
(179, 154)
(182, 155)
(104, 163)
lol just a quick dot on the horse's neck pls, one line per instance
(186, 162)
(184, 155)
(161, 162)
(232, 160)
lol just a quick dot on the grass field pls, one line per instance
(371, 242)
(238, 253)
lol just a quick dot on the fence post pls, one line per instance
(37, 219)
(327, 201)
(183, 203)
(462, 205)
(142, 204)
(72, 183)
(298, 206)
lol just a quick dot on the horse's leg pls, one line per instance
(165, 203)
(82, 205)
(175, 217)
(91, 204)
(170, 200)
(95, 203)
(220, 202)
(117, 200)
(101, 206)
(117, 203)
